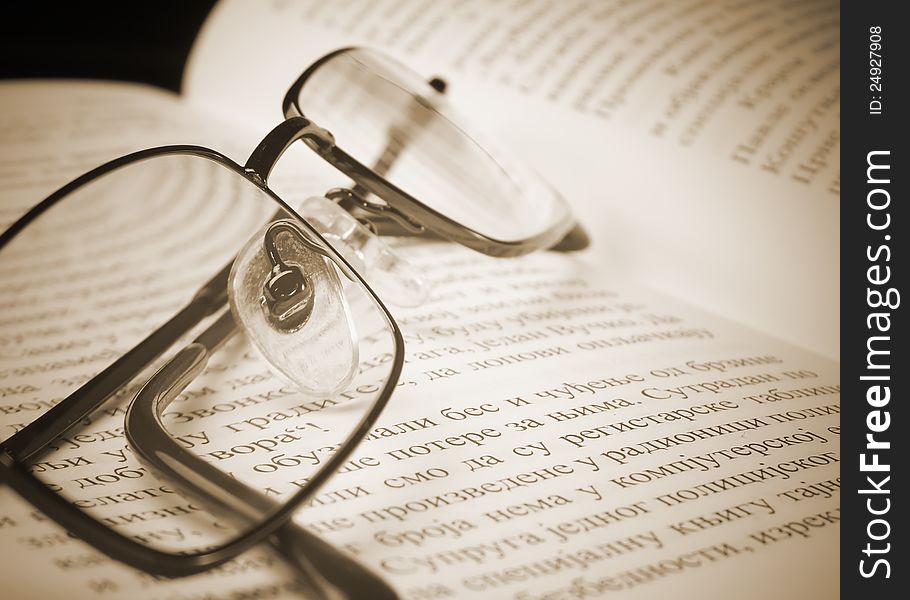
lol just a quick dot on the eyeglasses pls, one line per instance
(179, 245)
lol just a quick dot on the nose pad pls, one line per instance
(287, 297)
(395, 279)
(295, 312)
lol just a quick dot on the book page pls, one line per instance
(53, 131)
(557, 431)
(698, 141)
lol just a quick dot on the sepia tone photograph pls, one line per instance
(421, 299)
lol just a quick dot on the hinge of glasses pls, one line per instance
(351, 201)
(254, 176)
(263, 158)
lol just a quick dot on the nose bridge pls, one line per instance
(264, 158)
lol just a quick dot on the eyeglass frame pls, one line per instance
(105, 539)
(415, 216)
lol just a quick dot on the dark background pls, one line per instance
(133, 41)
(861, 133)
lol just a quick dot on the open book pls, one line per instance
(660, 416)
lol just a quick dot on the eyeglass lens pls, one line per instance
(389, 118)
(110, 262)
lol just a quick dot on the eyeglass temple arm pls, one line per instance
(331, 573)
(400, 135)
(576, 239)
(40, 433)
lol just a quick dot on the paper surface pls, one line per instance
(698, 140)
